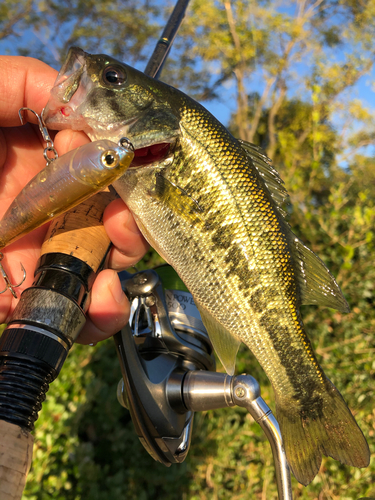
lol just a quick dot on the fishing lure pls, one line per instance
(63, 184)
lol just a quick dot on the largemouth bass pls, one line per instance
(63, 184)
(211, 206)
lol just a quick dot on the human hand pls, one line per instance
(26, 82)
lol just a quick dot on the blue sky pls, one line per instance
(221, 108)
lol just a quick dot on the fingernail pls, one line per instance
(116, 290)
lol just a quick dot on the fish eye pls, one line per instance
(114, 75)
(110, 159)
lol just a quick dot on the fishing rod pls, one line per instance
(160, 339)
(160, 54)
(51, 313)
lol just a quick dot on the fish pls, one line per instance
(63, 184)
(212, 207)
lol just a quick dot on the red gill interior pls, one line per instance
(150, 154)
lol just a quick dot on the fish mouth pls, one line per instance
(154, 153)
(144, 155)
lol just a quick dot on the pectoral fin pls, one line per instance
(224, 343)
(316, 284)
(177, 200)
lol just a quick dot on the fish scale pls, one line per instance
(254, 205)
(212, 208)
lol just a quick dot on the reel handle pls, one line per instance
(169, 373)
(202, 391)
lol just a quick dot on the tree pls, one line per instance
(47, 29)
(315, 50)
(293, 70)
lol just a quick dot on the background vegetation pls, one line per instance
(295, 76)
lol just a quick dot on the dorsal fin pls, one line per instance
(267, 173)
(316, 283)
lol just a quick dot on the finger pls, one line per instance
(24, 82)
(66, 140)
(130, 245)
(25, 157)
(5, 304)
(21, 160)
(25, 251)
(108, 311)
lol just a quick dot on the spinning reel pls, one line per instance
(169, 373)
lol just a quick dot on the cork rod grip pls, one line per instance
(16, 451)
(80, 231)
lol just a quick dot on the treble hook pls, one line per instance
(44, 131)
(9, 285)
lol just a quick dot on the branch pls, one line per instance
(353, 150)
(8, 28)
(239, 71)
(271, 120)
(47, 44)
(258, 110)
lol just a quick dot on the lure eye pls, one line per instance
(114, 75)
(110, 159)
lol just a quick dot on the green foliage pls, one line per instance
(86, 447)
(12, 13)
(291, 71)
(121, 27)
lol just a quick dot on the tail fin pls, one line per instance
(332, 431)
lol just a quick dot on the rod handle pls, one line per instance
(80, 231)
(16, 451)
